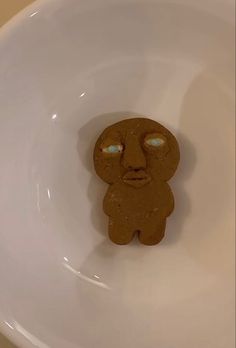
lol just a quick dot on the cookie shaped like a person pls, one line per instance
(137, 157)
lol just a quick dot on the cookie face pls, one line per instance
(136, 152)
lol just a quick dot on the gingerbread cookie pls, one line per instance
(137, 157)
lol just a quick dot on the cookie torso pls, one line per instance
(122, 201)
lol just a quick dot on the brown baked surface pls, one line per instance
(137, 157)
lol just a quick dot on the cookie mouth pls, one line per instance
(136, 178)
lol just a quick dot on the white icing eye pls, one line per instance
(113, 149)
(155, 142)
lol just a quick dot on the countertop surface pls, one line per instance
(8, 8)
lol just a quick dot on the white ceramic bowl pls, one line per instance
(67, 70)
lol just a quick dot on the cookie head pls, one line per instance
(136, 151)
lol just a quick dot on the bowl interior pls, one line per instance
(68, 72)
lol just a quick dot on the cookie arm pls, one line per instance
(169, 200)
(108, 202)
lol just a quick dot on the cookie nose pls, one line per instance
(133, 157)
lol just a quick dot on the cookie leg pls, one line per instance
(152, 233)
(120, 233)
